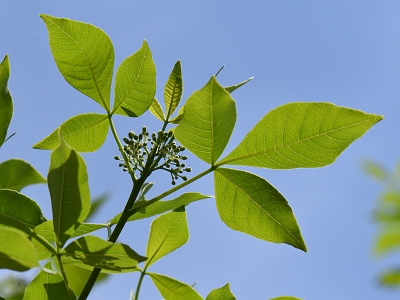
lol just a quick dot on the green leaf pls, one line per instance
(98, 253)
(375, 170)
(96, 204)
(160, 207)
(6, 105)
(172, 289)
(18, 211)
(285, 298)
(388, 239)
(232, 88)
(157, 110)
(173, 90)
(168, 232)
(208, 121)
(135, 83)
(44, 248)
(16, 174)
(248, 203)
(84, 133)
(16, 251)
(69, 191)
(47, 286)
(301, 135)
(391, 278)
(78, 276)
(179, 117)
(223, 293)
(84, 55)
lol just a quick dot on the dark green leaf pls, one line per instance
(16, 251)
(301, 135)
(6, 105)
(159, 207)
(98, 253)
(19, 211)
(173, 90)
(232, 88)
(172, 289)
(135, 83)
(47, 286)
(248, 203)
(84, 133)
(157, 110)
(223, 293)
(84, 55)
(69, 191)
(168, 232)
(208, 121)
(16, 174)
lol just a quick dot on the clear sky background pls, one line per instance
(344, 52)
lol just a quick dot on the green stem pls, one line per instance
(163, 195)
(64, 276)
(142, 274)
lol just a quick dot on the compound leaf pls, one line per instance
(16, 251)
(6, 105)
(223, 293)
(47, 286)
(172, 289)
(143, 211)
(173, 90)
(208, 121)
(84, 55)
(84, 133)
(98, 253)
(18, 211)
(301, 135)
(135, 83)
(168, 232)
(69, 191)
(248, 203)
(16, 174)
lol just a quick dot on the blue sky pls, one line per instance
(344, 52)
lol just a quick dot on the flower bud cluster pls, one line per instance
(160, 148)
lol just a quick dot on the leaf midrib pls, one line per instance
(227, 161)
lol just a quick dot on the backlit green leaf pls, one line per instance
(16, 174)
(168, 232)
(173, 89)
(172, 289)
(16, 251)
(84, 55)
(232, 88)
(18, 211)
(84, 133)
(69, 191)
(159, 207)
(208, 121)
(248, 203)
(301, 135)
(6, 105)
(135, 83)
(157, 110)
(223, 293)
(78, 276)
(47, 286)
(98, 253)
(375, 170)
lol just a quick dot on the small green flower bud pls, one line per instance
(184, 178)
(126, 140)
(131, 134)
(116, 157)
